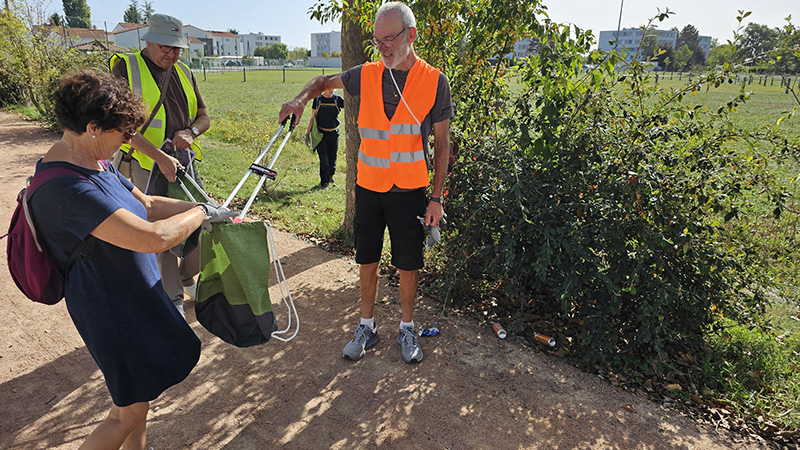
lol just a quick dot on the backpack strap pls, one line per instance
(85, 248)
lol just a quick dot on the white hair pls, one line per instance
(406, 15)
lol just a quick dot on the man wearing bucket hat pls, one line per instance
(178, 113)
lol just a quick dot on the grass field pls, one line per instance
(244, 118)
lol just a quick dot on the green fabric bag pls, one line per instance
(316, 134)
(233, 288)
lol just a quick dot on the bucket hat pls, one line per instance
(165, 30)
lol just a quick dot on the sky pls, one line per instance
(290, 20)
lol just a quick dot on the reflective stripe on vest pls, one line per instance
(142, 82)
(391, 152)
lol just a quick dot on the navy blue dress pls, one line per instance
(115, 298)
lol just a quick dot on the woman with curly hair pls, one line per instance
(113, 292)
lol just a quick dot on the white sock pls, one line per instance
(407, 324)
(370, 323)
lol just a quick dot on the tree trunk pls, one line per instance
(354, 52)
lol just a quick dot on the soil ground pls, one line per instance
(471, 391)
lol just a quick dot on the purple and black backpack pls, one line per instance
(33, 269)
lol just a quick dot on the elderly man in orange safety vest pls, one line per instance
(402, 99)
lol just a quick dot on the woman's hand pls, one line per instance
(215, 214)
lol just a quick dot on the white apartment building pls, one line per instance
(522, 49)
(631, 38)
(129, 35)
(326, 42)
(251, 41)
(226, 44)
(201, 42)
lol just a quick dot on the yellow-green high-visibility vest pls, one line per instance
(142, 82)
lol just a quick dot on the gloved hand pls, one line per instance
(434, 235)
(216, 214)
(308, 140)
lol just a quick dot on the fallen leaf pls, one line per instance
(674, 387)
(628, 407)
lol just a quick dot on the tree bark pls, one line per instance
(354, 52)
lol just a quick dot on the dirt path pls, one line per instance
(472, 391)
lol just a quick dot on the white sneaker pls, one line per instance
(191, 291)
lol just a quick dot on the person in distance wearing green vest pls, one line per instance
(177, 112)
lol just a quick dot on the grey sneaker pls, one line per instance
(363, 339)
(191, 291)
(411, 351)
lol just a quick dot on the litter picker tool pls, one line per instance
(263, 172)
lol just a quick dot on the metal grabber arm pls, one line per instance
(263, 172)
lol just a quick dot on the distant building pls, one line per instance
(129, 35)
(523, 48)
(631, 38)
(196, 48)
(201, 43)
(226, 44)
(705, 44)
(206, 41)
(251, 41)
(326, 42)
(99, 46)
(70, 37)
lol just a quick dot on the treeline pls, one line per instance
(759, 47)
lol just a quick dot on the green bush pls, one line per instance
(605, 199)
(32, 61)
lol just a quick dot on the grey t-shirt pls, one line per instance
(442, 107)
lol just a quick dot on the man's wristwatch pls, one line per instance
(436, 199)
(195, 131)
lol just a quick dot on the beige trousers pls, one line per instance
(175, 272)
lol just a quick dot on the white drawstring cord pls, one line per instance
(283, 285)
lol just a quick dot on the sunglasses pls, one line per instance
(127, 134)
(169, 49)
(388, 41)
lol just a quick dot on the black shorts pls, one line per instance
(397, 210)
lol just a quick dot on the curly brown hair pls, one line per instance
(90, 96)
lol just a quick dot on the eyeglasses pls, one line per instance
(388, 41)
(169, 49)
(127, 134)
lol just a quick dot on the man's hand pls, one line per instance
(293, 106)
(183, 139)
(434, 214)
(168, 166)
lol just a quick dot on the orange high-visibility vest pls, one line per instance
(391, 152)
